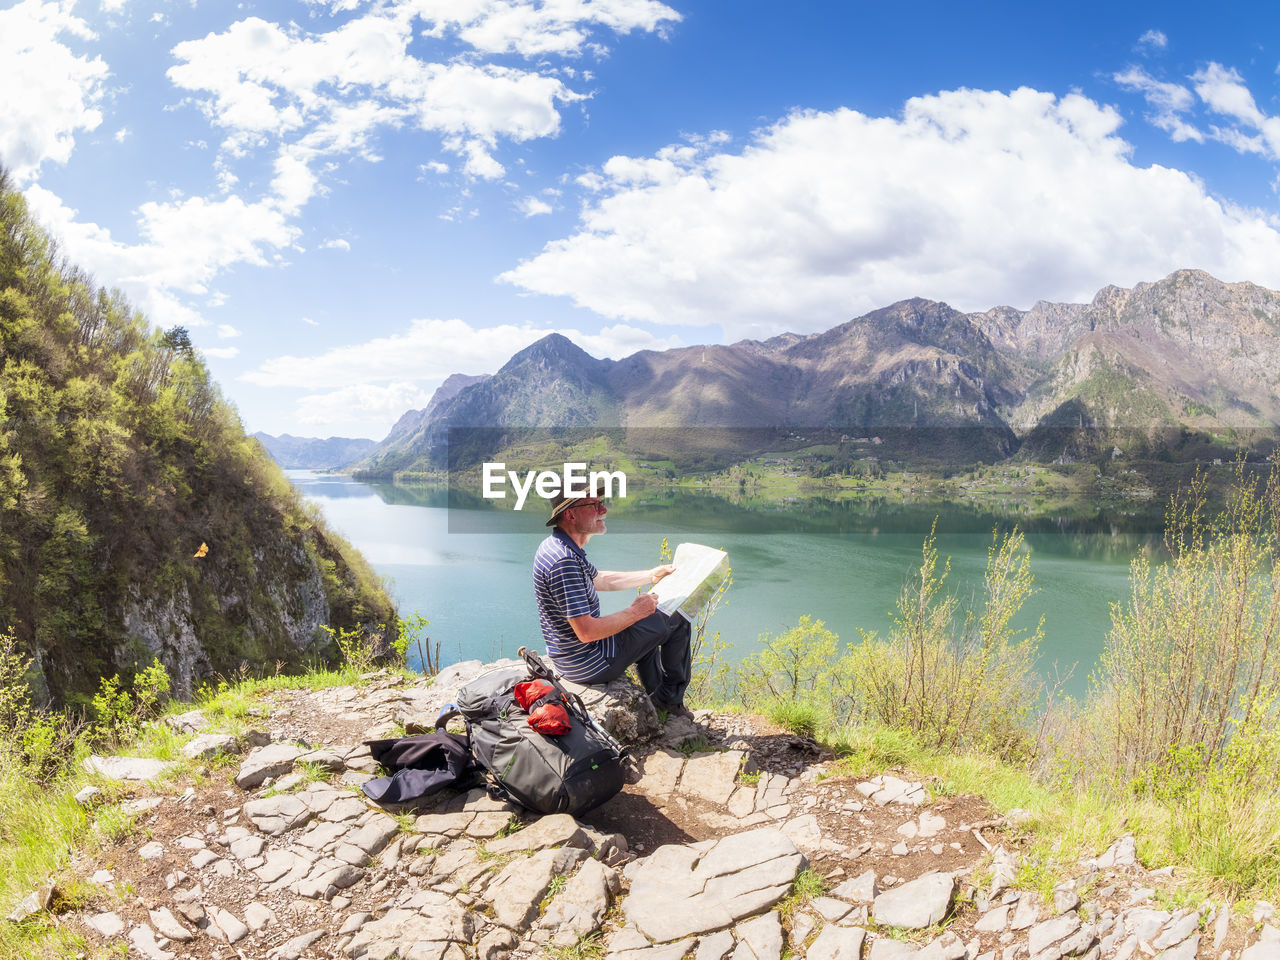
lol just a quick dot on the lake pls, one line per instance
(467, 569)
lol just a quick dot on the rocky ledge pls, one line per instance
(735, 840)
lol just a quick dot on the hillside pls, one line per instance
(136, 518)
(1135, 371)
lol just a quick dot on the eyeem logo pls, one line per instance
(574, 480)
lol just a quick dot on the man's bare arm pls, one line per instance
(629, 579)
(589, 629)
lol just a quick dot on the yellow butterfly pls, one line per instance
(204, 548)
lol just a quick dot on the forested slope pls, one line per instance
(118, 460)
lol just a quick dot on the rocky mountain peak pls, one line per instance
(554, 351)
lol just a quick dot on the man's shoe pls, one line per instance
(674, 710)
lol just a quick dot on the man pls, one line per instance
(588, 648)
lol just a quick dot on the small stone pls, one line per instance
(931, 824)
(1026, 913)
(1183, 951)
(231, 929)
(836, 943)
(1051, 931)
(900, 849)
(88, 796)
(556, 830)
(719, 945)
(106, 925)
(257, 916)
(1177, 931)
(127, 768)
(353, 923)
(830, 909)
(1065, 897)
(293, 949)
(994, 920)
(167, 925)
(861, 889)
(496, 944)
(103, 877)
(151, 851)
(143, 939)
(273, 760)
(203, 858)
(210, 746)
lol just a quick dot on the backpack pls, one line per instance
(571, 772)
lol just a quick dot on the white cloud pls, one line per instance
(51, 93)
(226, 331)
(532, 206)
(621, 340)
(185, 244)
(336, 243)
(121, 135)
(429, 350)
(1224, 92)
(535, 29)
(371, 406)
(311, 323)
(327, 92)
(1170, 101)
(1155, 39)
(221, 353)
(969, 196)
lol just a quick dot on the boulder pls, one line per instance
(622, 708)
(555, 830)
(273, 760)
(209, 746)
(517, 892)
(127, 768)
(578, 910)
(915, 905)
(683, 891)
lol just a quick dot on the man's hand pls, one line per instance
(644, 605)
(657, 573)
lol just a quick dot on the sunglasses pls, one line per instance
(596, 505)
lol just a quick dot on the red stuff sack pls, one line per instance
(545, 706)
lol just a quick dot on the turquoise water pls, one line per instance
(841, 562)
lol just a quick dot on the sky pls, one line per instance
(345, 201)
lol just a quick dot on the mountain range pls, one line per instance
(1134, 370)
(311, 453)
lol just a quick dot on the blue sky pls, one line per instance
(347, 200)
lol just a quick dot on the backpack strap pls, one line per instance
(447, 713)
(538, 668)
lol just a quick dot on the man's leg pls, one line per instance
(668, 666)
(660, 648)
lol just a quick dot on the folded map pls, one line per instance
(700, 572)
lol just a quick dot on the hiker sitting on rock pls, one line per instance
(588, 648)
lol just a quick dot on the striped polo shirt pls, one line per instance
(562, 584)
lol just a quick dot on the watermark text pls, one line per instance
(575, 480)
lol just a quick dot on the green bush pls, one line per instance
(975, 684)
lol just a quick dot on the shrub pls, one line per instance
(119, 712)
(975, 685)
(1188, 680)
